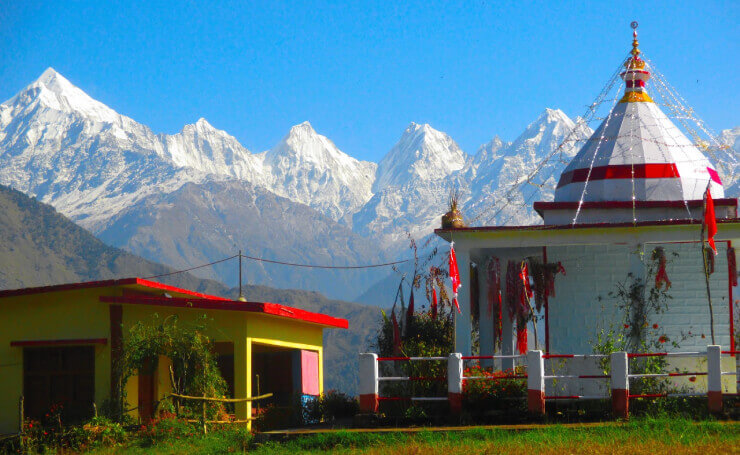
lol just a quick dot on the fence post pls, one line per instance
(455, 382)
(536, 382)
(369, 383)
(21, 421)
(714, 377)
(620, 384)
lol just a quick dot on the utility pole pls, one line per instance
(241, 294)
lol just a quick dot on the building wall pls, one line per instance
(78, 314)
(63, 315)
(576, 313)
(267, 330)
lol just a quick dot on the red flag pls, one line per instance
(710, 220)
(434, 302)
(410, 311)
(454, 276)
(396, 333)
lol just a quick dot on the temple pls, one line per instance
(627, 216)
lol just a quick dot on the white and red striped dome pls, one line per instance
(637, 154)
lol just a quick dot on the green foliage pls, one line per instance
(638, 302)
(166, 428)
(425, 337)
(499, 392)
(188, 347)
(48, 435)
(331, 406)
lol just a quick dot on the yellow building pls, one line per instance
(58, 344)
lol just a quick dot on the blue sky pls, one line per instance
(361, 71)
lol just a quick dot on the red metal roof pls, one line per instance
(105, 283)
(272, 309)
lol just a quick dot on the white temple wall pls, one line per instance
(688, 310)
(576, 313)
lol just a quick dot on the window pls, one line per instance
(59, 375)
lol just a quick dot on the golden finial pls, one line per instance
(635, 62)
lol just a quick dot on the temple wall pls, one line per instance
(577, 313)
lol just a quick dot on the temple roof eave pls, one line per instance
(665, 231)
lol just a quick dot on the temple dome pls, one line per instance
(636, 166)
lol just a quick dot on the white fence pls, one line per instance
(619, 378)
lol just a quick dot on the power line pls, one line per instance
(313, 266)
(292, 264)
(192, 268)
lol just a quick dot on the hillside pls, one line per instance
(38, 246)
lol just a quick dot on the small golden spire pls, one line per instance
(635, 62)
(635, 75)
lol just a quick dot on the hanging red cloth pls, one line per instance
(521, 338)
(661, 277)
(732, 266)
(710, 220)
(454, 276)
(410, 311)
(434, 303)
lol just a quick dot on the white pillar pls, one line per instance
(620, 384)
(536, 382)
(714, 377)
(463, 325)
(455, 382)
(369, 383)
(485, 315)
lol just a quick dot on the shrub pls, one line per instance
(499, 392)
(331, 406)
(166, 428)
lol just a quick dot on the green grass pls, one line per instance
(645, 435)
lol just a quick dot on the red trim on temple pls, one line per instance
(620, 171)
(555, 227)
(272, 309)
(69, 342)
(540, 205)
(105, 283)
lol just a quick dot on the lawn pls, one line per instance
(644, 435)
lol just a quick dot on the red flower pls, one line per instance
(626, 326)
(655, 326)
(663, 339)
(692, 379)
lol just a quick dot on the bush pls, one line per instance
(331, 406)
(166, 428)
(499, 392)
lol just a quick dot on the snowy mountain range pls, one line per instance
(199, 195)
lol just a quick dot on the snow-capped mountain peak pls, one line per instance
(54, 91)
(422, 153)
(208, 149)
(307, 167)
